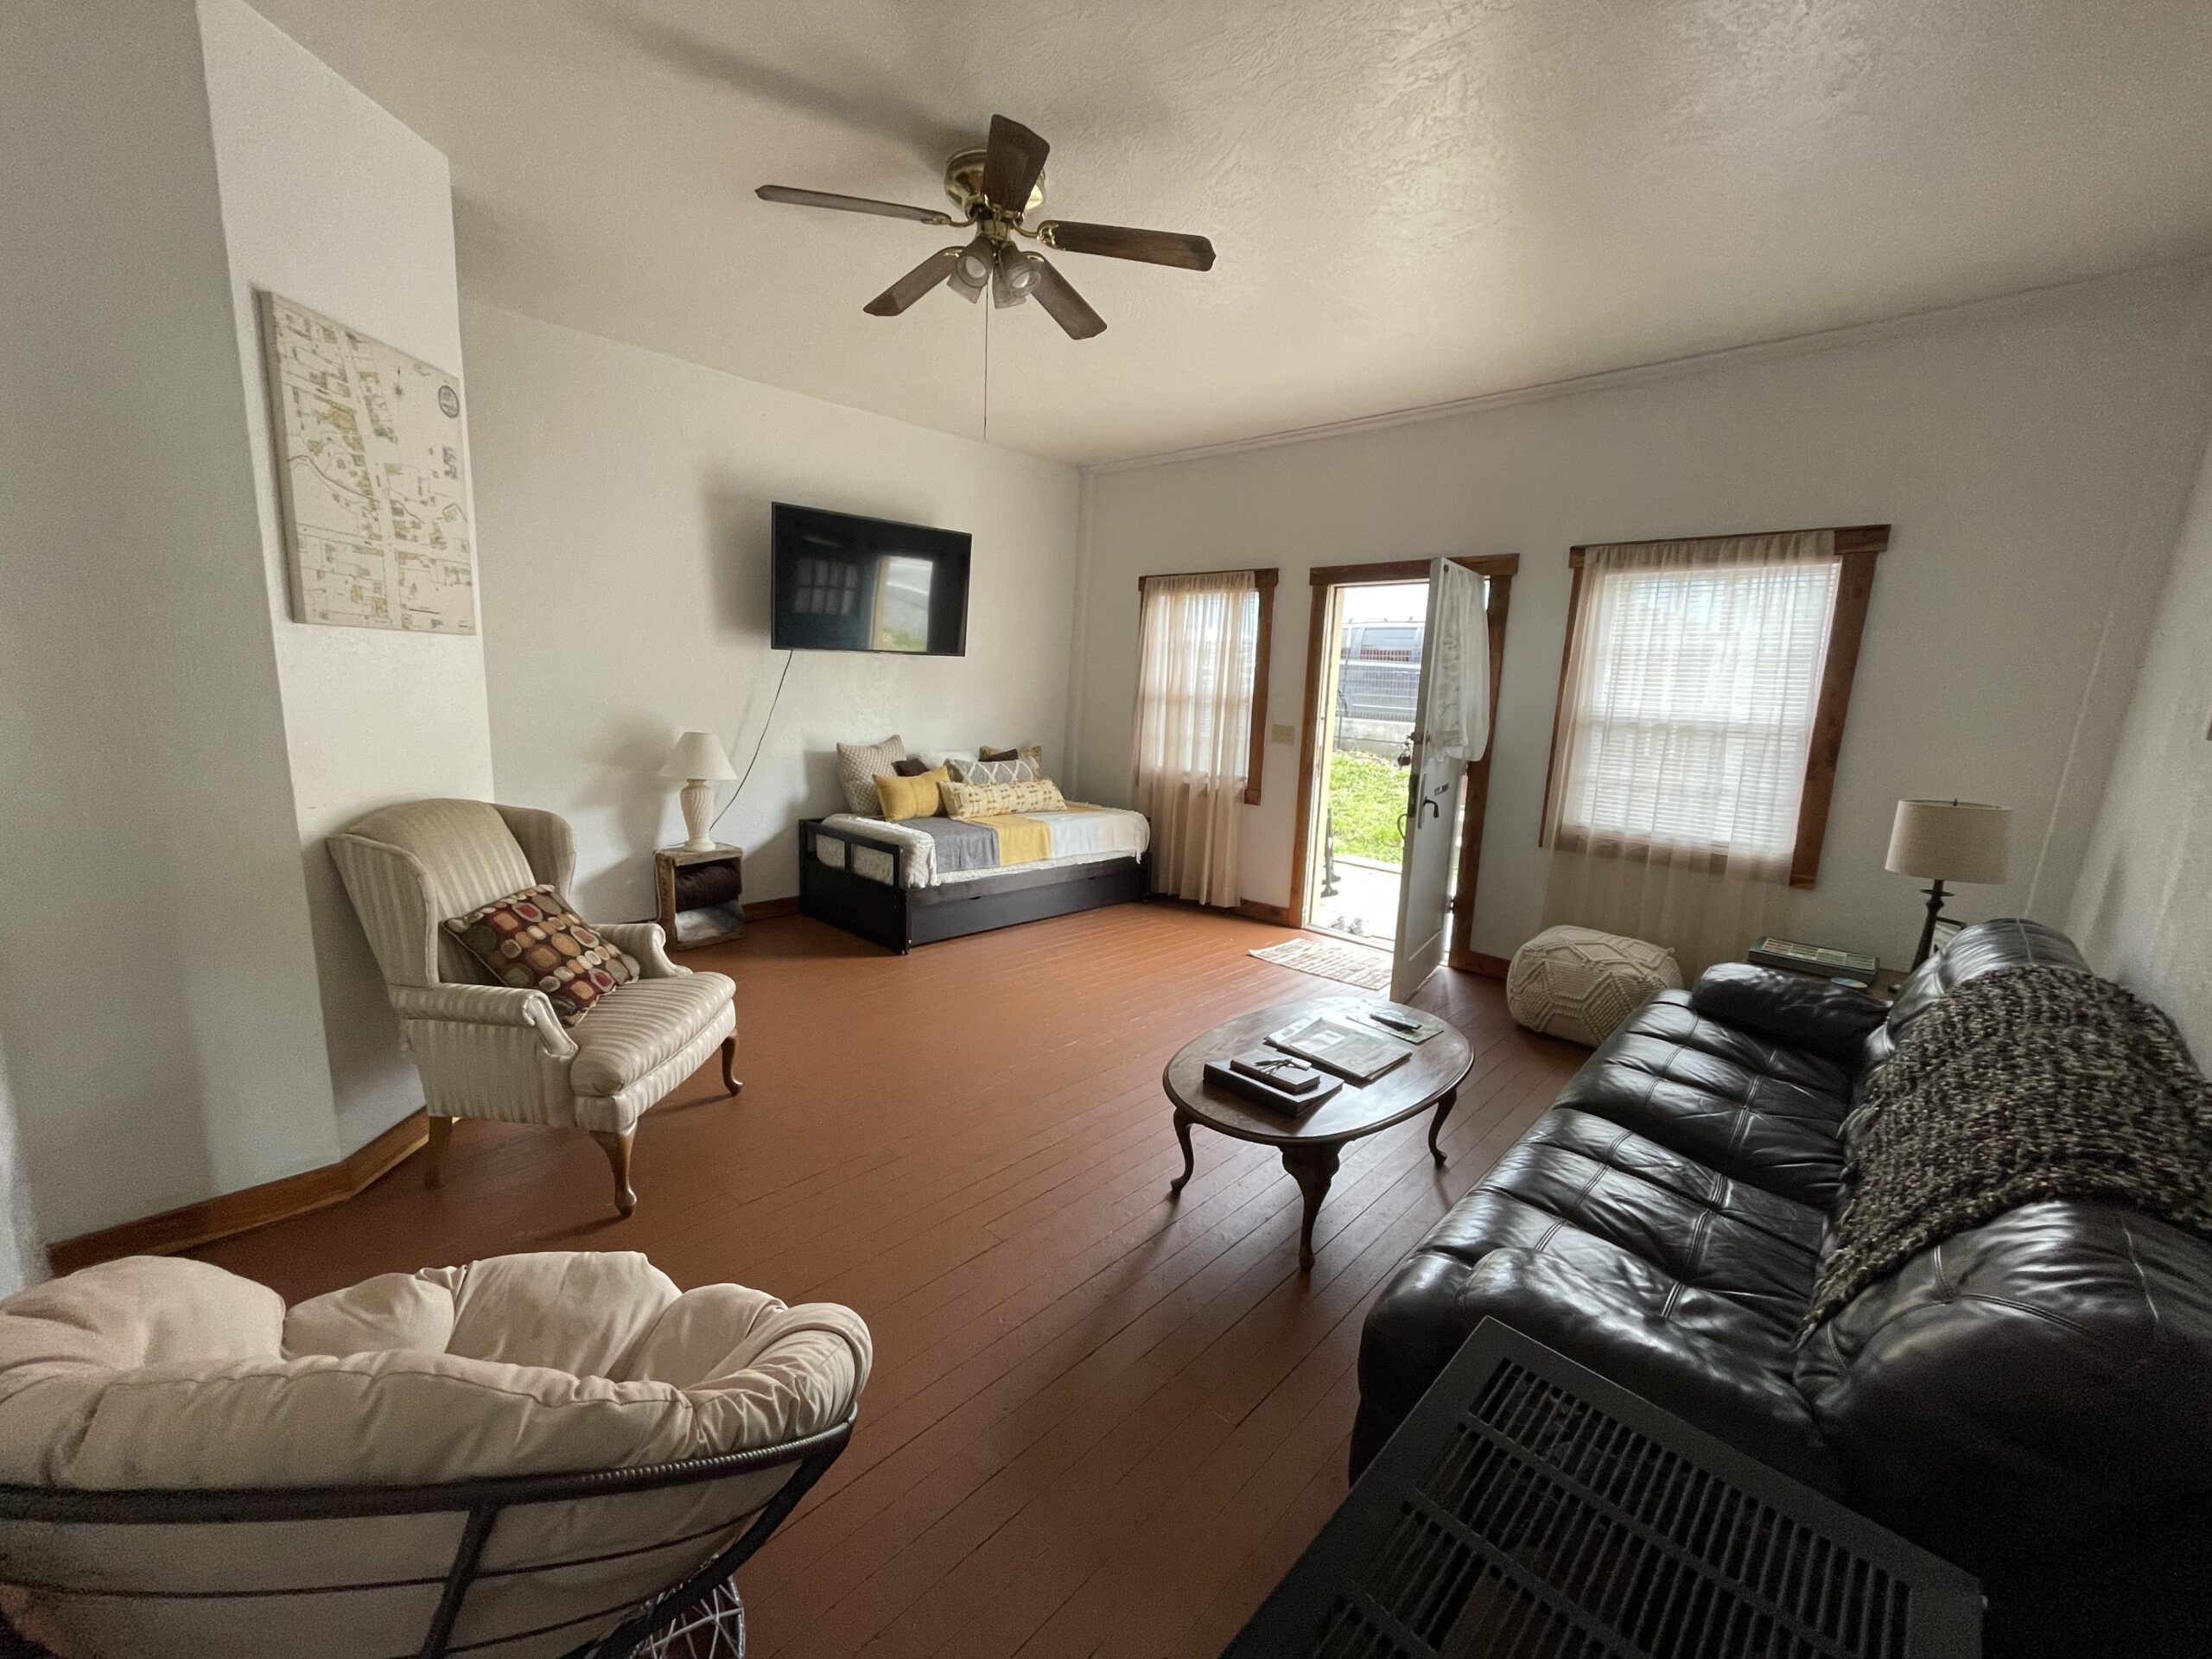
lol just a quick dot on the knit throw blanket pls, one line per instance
(2024, 1084)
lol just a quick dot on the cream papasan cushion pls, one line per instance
(1578, 983)
(161, 1373)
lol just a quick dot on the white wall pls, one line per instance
(330, 201)
(2143, 910)
(2033, 456)
(22, 1259)
(623, 502)
(157, 1001)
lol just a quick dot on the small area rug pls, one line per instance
(1354, 965)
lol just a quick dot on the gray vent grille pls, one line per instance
(1544, 1527)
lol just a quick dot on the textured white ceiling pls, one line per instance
(1412, 203)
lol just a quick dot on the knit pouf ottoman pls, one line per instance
(1578, 983)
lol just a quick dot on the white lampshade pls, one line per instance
(698, 754)
(1950, 840)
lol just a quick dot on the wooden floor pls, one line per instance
(1100, 1422)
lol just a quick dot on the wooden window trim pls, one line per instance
(1265, 580)
(1857, 547)
(1500, 568)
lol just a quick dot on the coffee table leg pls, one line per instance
(1183, 1121)
(1312, 1167)
(1436, 1123)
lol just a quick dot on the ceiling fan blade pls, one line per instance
(1012, 163)
(937, 268)
(1119, 242)
(1068, 308)
(851, 204)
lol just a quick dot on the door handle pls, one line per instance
(1428, 804)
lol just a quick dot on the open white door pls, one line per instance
(1431, 800)
(1451, 727)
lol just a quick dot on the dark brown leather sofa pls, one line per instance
(2031, 1399)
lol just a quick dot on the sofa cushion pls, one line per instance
(639, 1027)
(1614, 1233)
(1984, 948)
(140, 1310)
(719, 1369)
(242, 1414)
(1830, 1019)
(1754, 1109)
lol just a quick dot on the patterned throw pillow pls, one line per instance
(532, 941)
(1001, 766)
(990, 800)
(859, 764)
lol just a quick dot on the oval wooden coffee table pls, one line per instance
(1311, 1141)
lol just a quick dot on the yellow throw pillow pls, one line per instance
(912, 798)
(993, 800)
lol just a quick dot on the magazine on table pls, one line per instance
(1357, 1054)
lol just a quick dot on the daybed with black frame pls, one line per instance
(899, 917)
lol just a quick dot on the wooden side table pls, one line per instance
(697, 895)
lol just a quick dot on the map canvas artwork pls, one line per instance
(373, 457)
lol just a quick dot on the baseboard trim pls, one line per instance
(248, 1208)
(766, 910)
(1277, 914)
(1475, 962)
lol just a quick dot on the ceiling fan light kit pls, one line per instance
(985, 185)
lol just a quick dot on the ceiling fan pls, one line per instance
(994, 189)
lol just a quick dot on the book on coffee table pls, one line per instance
(1278, 1070)
(1356, 1054)
(1266, 1094)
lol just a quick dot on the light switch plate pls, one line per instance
(1282, 734)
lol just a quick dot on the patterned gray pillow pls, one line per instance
(1027, 767)
(859, 764)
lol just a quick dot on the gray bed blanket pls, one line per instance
(960, 845)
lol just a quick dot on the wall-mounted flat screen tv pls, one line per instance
(844, 583)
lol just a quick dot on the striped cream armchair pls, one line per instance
(494, 1051)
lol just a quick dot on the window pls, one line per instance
(1702, 698)
(1201, 718)
(1193, 630)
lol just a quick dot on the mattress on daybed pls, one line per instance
(949, 851)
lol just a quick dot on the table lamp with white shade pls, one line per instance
(1948, 841)
(699, 758)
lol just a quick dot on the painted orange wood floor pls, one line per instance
(1100, 1422)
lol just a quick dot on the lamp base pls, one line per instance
(1935, 896)
(698, 799)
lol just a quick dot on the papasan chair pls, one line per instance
(527, 1457)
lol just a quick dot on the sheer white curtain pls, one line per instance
(1196, 650)
(1693, 676)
